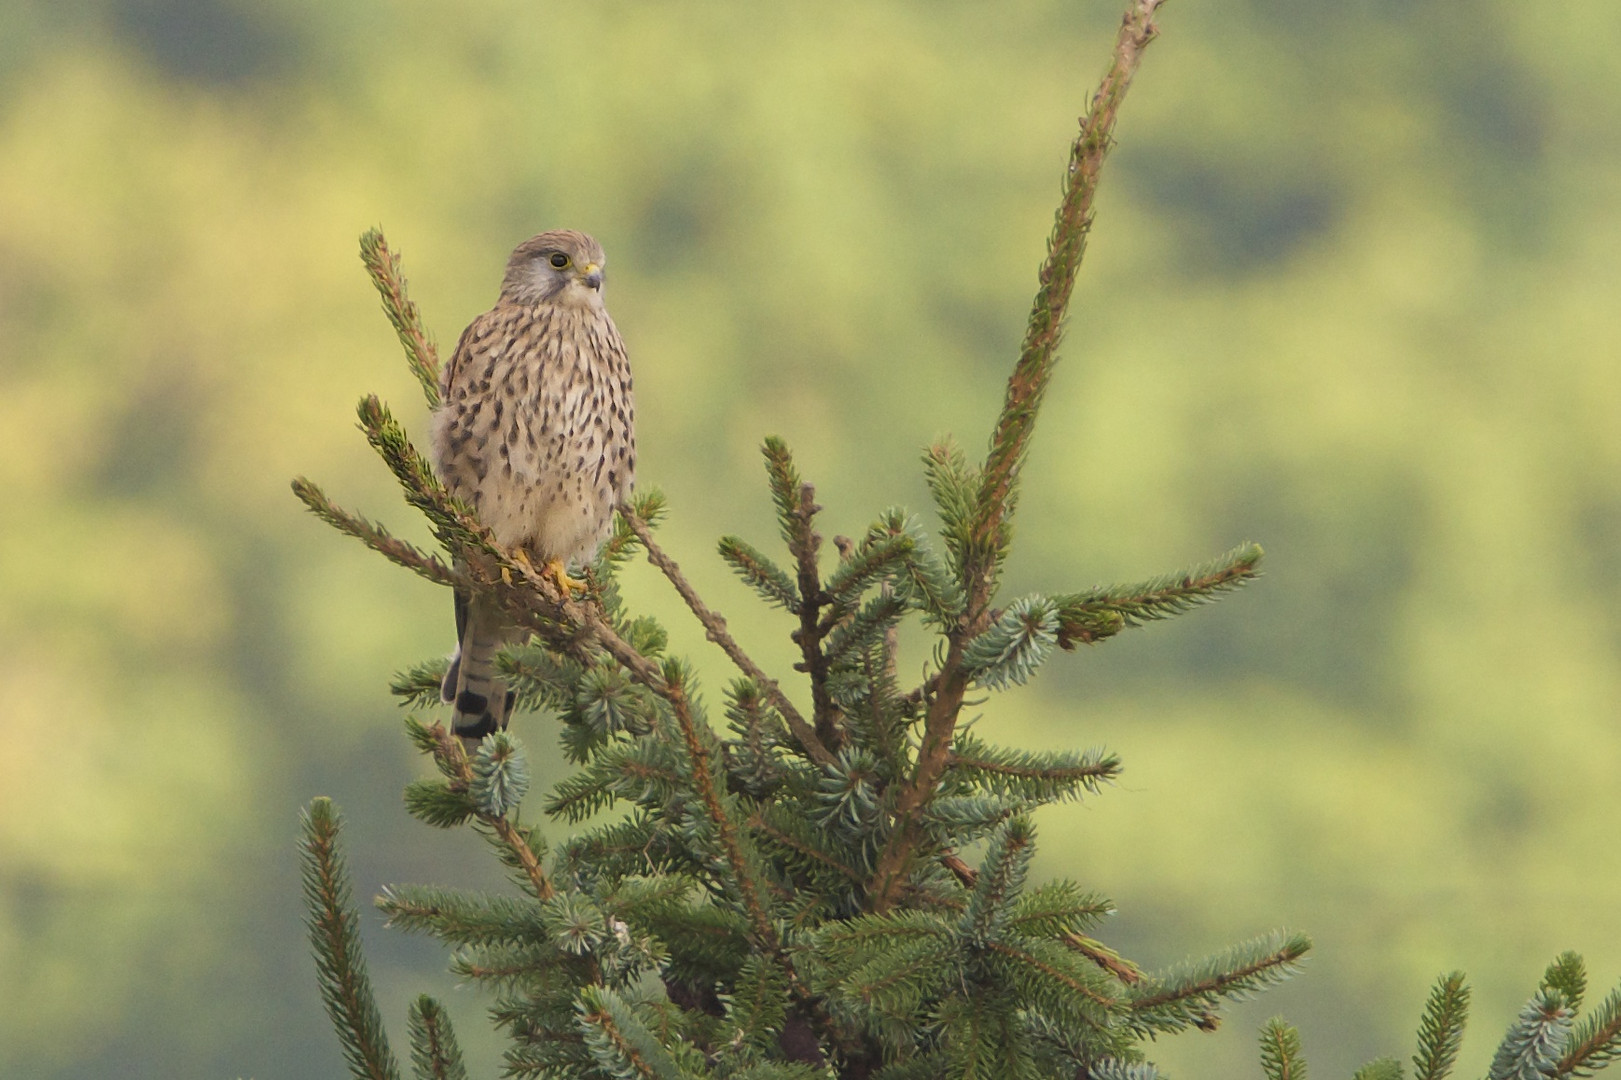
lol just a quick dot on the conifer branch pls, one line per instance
(1102, 612)
(715, 630)
(1440, 1032)
(1280, 1051)
(758, 822)
(1568, 975)
(621, 1044)
(1238, 972)
(1104, 957)
(1536, 1042)
(731, 842)
(796, 513)
(420, 354)
(760, 573)
(1596, 1039)
(434, 1051)
(1034, 775)
(1039, 353)
(452, 760)
(334, 926)
(1027, 957)
(374, 535)
(986, 532)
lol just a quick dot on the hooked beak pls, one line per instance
(592, 276)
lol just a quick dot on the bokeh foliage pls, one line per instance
(1351, 292)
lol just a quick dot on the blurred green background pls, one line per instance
(1353, 292)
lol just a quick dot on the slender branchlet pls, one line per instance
(435, 1053)
(1280, 1051)
(420, 354)
(1440, 1032)
(715, 630)
(374, 536)
(987, 534)
(451, 758)
(334, 926)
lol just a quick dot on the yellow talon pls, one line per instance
(555, 570)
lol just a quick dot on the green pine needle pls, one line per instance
(1038, 776)
(1001, 880)
(1568, 975)
(420, 354)
(434, 1052)
(500, 775)
(772, 582)
(1595, 1041)
(464, 918)
(620, 1044)
(1014, 646)
(1536, 1041)
(373, 535)
(1103, 611)
(1115, 1069)
(878, 558)
(1440, 1033)
(440, 804)
(1188, 993)
(955, 486)
(925, 581)
(1385, 1068)
(1280, 1051)
(334, 926)
(418, 686)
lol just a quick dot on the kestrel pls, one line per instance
(536, 431)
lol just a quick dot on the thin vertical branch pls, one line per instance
(334, 926)
(715, 630)
(420, 354)
(806, 544)
(1009, 443)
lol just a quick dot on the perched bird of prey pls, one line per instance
(536, 431)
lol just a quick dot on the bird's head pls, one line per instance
(557, 267)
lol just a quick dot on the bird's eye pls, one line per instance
(559, 260)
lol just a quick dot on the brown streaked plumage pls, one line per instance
(536, 431)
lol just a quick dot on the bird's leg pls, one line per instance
(566, 585)
(520, 555)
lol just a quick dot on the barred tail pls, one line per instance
(479, 696)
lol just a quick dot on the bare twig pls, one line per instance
(1104, 957)
(715, 630)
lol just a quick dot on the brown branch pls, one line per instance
(1072, 223)
(715, 630)
(1104, 957)
(967, 875)
(1008, 444)
(805, 542)
(1576, 1060)
(374, 536)
(448, 749)
(1217, 983)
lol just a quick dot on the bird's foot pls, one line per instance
(555, 571)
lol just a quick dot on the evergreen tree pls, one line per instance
(788, 900)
